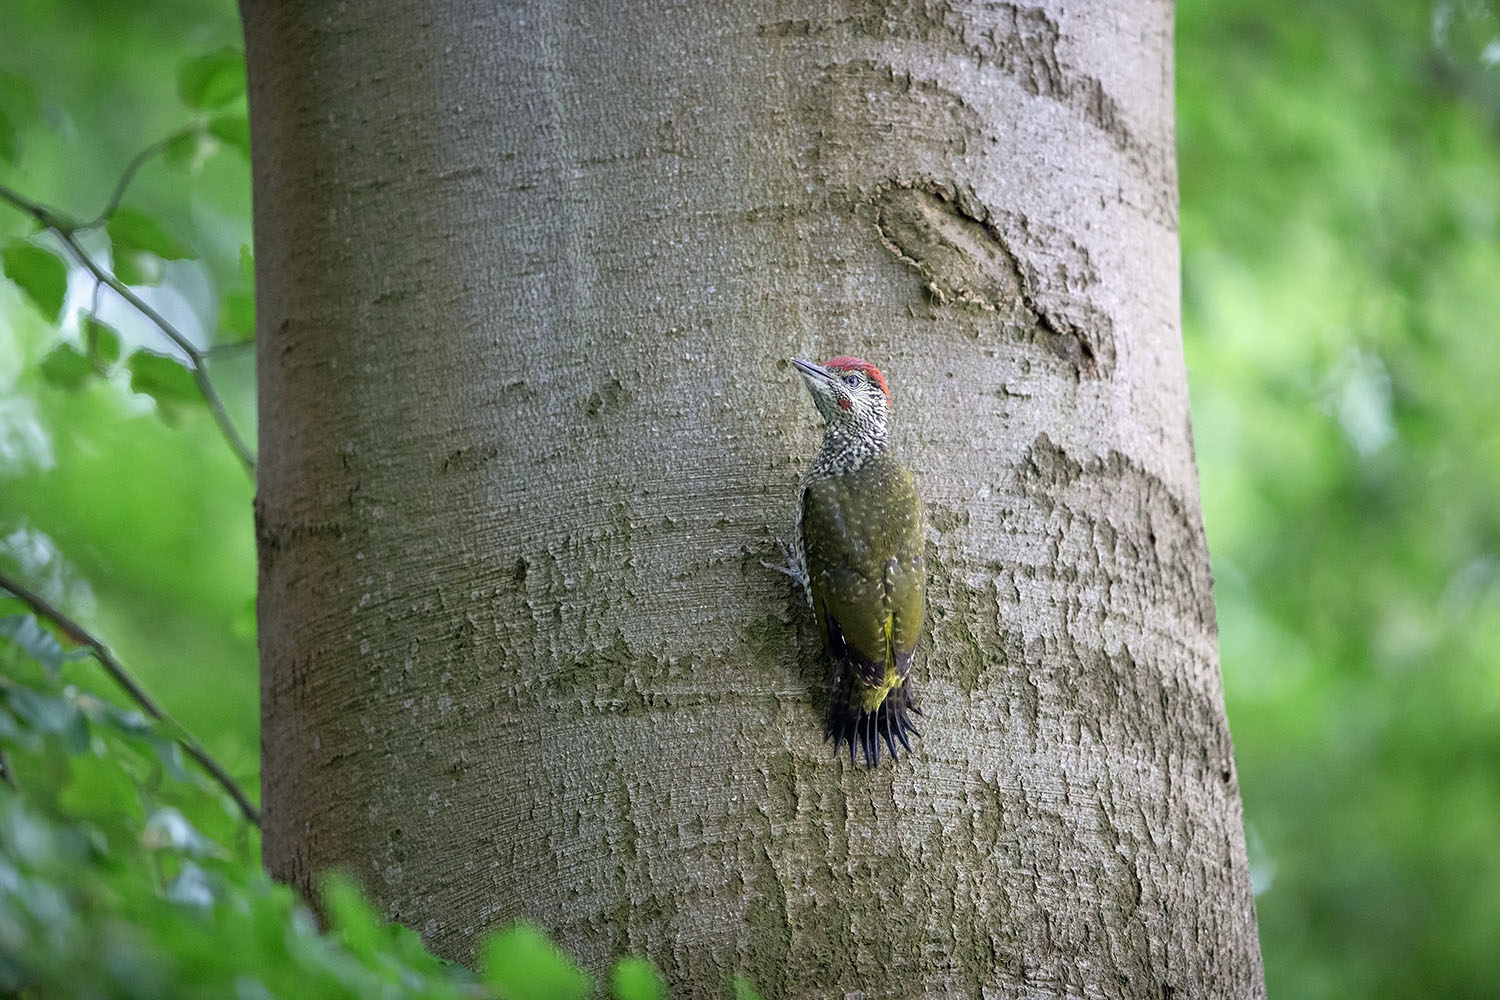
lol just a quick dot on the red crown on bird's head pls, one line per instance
(869, 371)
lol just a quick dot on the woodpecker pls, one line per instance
(860, 557)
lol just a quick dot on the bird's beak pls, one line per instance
(813, 373)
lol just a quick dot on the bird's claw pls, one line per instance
(792, 567)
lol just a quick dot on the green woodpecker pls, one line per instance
(859, 557)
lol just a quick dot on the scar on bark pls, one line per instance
(969, 257)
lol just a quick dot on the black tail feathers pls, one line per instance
(888, 722)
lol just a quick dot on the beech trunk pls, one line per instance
(529, 277)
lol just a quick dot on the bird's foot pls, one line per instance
(792, 567)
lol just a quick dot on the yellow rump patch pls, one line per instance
(871, 697)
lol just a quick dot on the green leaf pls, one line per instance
(131, 230)
(40, 274)
(12, 734)
(136, 267)
(126, 721)
(102, 341)
(25, 631)
(139, 244)
(53, 714)
(211, 81)
(189, 150)
(95, 780)
(164, 379)
(637, 979)
(65, 368)
(232, 130)
(523, 964)
(351, 915)
(169, 752)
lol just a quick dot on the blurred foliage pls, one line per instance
(124, 873)
(1340, 170)
(137, 526)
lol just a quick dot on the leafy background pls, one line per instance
(1340, 170)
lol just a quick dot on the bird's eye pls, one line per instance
(851, 380)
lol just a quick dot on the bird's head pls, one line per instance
(850, 393)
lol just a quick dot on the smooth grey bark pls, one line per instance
(528, 278)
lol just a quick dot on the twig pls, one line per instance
(118, 195)
(40, 212)
(81, 636)
(64, 230)
(200, 363)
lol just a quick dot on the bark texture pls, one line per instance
(528, 279)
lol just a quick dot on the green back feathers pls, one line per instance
(863, 543)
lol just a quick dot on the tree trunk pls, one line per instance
(528, 283)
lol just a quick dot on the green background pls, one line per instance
(1340, 176)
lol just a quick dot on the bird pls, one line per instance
(860, 558)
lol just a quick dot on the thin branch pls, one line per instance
(81, 636)
(113, 205)
(200, 362)
(40, 212)
(64, 230)
(94, 302)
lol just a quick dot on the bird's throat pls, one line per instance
(849, 446)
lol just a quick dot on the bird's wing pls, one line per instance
(905, 579)
(867, 568)
(904, 582)
(848, 603)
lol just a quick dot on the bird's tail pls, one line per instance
(865, 716)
